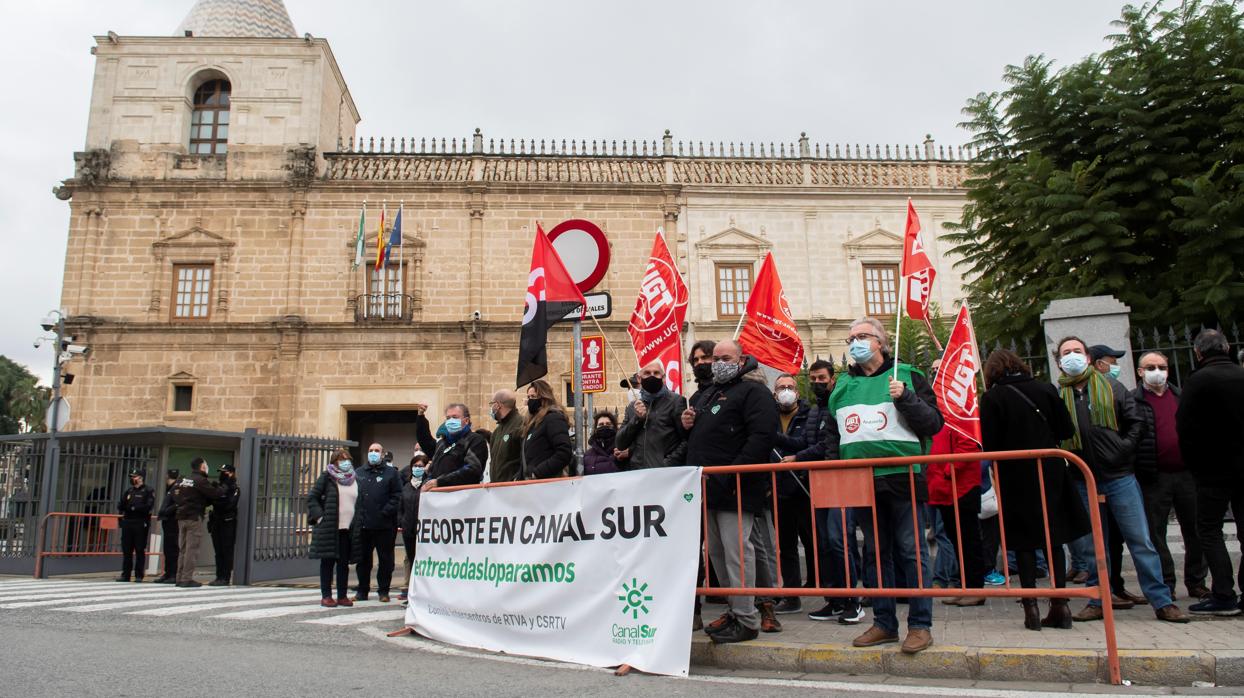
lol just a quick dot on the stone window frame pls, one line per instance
(741, 306)
(196, 77)
(212, 117)
(411, 261)
(176, 290)
(181, 379)
(196, 245)
(730, 246)
(879, 310)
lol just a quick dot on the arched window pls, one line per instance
(209, 123)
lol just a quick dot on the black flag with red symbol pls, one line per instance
(551, 296)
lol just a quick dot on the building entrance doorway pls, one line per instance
(393, 429)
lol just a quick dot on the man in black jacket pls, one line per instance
(735, 423)
(379, 495)
(222, 524)
(1108, 428)
(1210, 422)
(135, 509)
(794, 515)
(193, 495)
(168, 526)
(458, 454)
(1165, 480)
(650, 429)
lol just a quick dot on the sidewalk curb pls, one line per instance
(1141, 667)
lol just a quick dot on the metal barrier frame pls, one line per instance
(107, 522)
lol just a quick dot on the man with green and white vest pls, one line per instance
(879, 416)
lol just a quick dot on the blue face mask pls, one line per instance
(861, 351)
(373, 458)
(1073, 364)
(453, 425)
(1114, 372)
(345, 466)
(416, 473)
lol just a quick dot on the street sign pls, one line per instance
(62, 414)
(584, 250)
(592, 367)
(599, 306)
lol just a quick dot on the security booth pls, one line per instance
(75, 531)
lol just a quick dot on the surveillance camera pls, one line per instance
(48, 323)
(38, 343)
(78, 350)
(476, 315)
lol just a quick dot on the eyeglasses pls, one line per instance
(862, 335)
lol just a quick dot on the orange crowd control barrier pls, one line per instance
(67, 534)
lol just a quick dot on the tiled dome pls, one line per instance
(238, 18)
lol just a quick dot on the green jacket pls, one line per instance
(506, 449)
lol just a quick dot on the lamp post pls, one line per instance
(63, 350)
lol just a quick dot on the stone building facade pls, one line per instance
(210, 269)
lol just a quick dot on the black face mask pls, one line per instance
(820, 390)
(703, 372)
(604, 434)
(651, 384)
(533, 405)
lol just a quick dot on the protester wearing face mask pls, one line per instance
(548, 451)
(733, 421)
(1107, 429)
(222, 524)
(505, 447)
(379, 495)
(135, 509)
(902, 418)
(458, 454)
(650, 433)
(598, 459)
(408, 511)
(794, 512)
(1210, 423)
(335, 518)
(1165, 480)
(1106, 360)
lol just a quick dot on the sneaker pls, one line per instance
(852, 614)
(1171, 614)
(993, 579)
(788, 605)
(720, 624)
(824, 613)
(1216, 607)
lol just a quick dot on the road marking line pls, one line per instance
(277, 597)
(360, 618)
(153, 600)
(29, 592)
(84, 597)
(15, 588)
(289, 611)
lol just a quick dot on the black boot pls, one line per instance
(1059, 615)
(1032, 614)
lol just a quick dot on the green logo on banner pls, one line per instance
(688, 496)
(633, 598)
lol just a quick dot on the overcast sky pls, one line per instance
(845, 72)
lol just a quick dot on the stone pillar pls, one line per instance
(289, 351)
(293, 269)
(1096, 320)
(473, 346)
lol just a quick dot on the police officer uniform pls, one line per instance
(168, 525)
(135, 508)
(222, 523)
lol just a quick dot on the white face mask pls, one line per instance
(787, 397)
(1155, 377)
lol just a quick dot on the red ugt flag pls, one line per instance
(551, 295)
(915, 271)
(659, 313)
(955, 384)
(769, 333)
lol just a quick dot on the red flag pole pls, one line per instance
(933, 335)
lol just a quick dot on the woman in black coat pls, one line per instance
(547, 449)
(1019, 413)
(413, 476)
(599, 457)
(334, 520)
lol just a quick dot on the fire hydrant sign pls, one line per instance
(597, 570)
(593, 367)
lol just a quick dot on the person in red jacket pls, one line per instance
(962, 527)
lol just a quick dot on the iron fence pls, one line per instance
(1176, 346)
(21, 474)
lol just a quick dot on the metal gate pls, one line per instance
(21, 472)
(282, 471)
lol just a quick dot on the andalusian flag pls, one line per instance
(380, 240)
(395, 237)
(358, 240)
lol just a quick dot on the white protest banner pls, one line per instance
(598, 570)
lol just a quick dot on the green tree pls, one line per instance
(23, 402)
(1122, 174)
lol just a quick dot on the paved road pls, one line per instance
(91, 638)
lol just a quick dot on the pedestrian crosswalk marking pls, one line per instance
(40, 592)
(276, 597)
(359, 618)
(73, 596)
(156, 600)
(290, 611)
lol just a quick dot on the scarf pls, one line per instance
(342, 478)
(452, 437)
(1101, 405)
(648, 398)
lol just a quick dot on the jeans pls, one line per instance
(341, 565)
(723, 553)
(832, 538)
(945, 562)
(1212, 502)
(1176, 491)
(1042, 569)
(897, 540)
(1125, 503)
(1081, 552)
(381, 541)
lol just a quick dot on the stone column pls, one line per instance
(1096, 320)
(473, 346)
(288, 352)
(293, 268)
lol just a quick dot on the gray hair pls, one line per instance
(882, 336)
(466, 411)
(506, 398)
(1210, 343)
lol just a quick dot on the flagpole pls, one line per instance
(401, 265)
(578, 396)
(898, 325)
(739, 327)
(613, 353)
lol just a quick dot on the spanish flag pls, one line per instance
(380, 240)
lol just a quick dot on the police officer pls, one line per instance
(222, 523)
(168, 525)
(135, 508)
